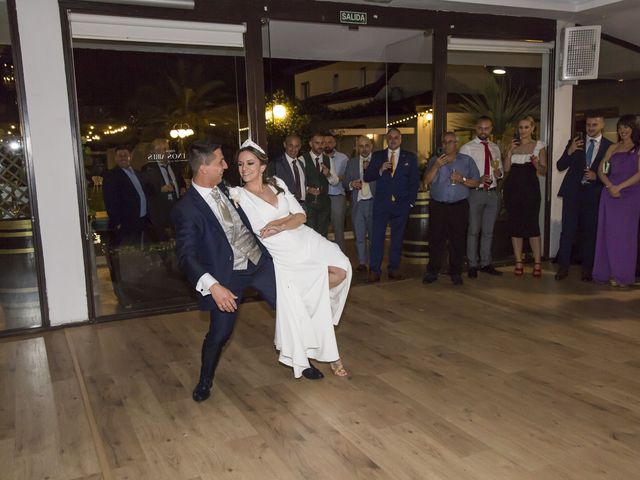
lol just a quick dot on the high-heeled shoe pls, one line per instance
(519, 270)
(338, 369)
(537, 270)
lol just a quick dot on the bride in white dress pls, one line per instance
(313, 276)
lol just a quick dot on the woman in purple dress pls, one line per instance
(616, 244)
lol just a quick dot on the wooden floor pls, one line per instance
(502, 378)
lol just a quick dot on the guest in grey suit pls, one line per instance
(362, 194)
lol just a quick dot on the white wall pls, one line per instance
(52, 153)
(562, 105)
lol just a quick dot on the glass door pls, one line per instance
(506, 81)
(140, 101)
(19, 286)
(350, 82)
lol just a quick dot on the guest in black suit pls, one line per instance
(125, 201)
(164, 186)
(318, 176)
(580, 192)
(290, 169)
(219, 253)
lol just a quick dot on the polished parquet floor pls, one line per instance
(502, 378)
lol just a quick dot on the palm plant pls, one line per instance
(186, 97)
(502, 102)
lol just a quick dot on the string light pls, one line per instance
(112, 131)
(409, 118)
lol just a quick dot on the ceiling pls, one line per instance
(619, 18)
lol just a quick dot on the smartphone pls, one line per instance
(580, 136)
(439, 151)
(516, 137)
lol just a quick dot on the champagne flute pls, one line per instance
(495, 165)
(453, 182)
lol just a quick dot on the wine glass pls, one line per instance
(453, 182)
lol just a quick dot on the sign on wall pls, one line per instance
(354, 18)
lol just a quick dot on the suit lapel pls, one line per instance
(202, 206)
(286, 170)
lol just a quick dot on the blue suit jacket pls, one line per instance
(576, 164)
(403, 186)
(201, 244)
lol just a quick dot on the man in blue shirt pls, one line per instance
(336, 190)
(449, 176)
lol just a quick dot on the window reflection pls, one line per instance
(19, 292)
(138, 111)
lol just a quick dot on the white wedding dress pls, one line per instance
(306, 309)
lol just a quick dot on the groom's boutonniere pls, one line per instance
(234, 195)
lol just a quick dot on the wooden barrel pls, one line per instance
(415, 246)
(19, 297)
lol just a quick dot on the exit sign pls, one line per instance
(354, 18)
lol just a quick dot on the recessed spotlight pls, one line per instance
(499, 71)
(621, 80)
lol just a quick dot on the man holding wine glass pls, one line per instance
(450, 177)
(484, 201)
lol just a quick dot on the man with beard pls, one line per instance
(484, 201)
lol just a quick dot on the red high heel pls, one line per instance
(519, 270)
(537, 270)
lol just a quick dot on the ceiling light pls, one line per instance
(499, 71)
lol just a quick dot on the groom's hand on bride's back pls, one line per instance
(224, 298)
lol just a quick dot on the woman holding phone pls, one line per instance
(525, 160)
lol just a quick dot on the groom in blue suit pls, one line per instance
(580, 192)
(219, 253)
(396, 176)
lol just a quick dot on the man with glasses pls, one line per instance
(450, 176)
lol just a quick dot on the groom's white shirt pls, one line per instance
(207, 280)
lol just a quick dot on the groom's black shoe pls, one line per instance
(312, 373)
(202, 390)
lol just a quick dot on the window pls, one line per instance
(305, 90)
(19, 290)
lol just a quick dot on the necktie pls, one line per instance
(365, 192)
(487, 163)
(222, 207)
(296, 176)
(393, 170)
(590, 148)
(393, 163)
(318, 164)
